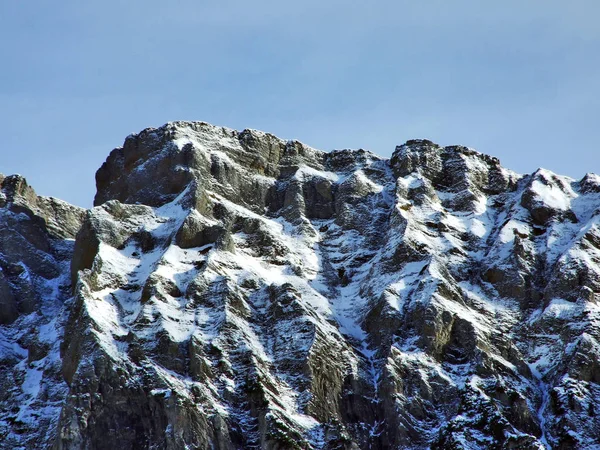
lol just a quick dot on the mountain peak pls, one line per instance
(236, 290)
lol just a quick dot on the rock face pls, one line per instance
(36, 245)
(233, 290)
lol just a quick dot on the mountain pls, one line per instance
(234, 290)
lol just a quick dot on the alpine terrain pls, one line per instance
(232, 290)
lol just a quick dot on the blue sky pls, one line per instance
(516, 79)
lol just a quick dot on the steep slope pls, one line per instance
(233, 290)
(36, 244)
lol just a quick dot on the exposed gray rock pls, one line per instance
(36, 245)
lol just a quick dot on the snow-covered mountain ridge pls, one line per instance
(233, 290)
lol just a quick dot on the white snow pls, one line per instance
(307, 171)
(551, 195)
(561, 309)
(507, 234)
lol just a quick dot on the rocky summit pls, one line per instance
(232, 290)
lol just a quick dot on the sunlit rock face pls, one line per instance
(234, 290)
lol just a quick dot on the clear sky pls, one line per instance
(516, 79)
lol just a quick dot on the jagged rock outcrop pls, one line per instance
(36, 244)
(233, 290)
